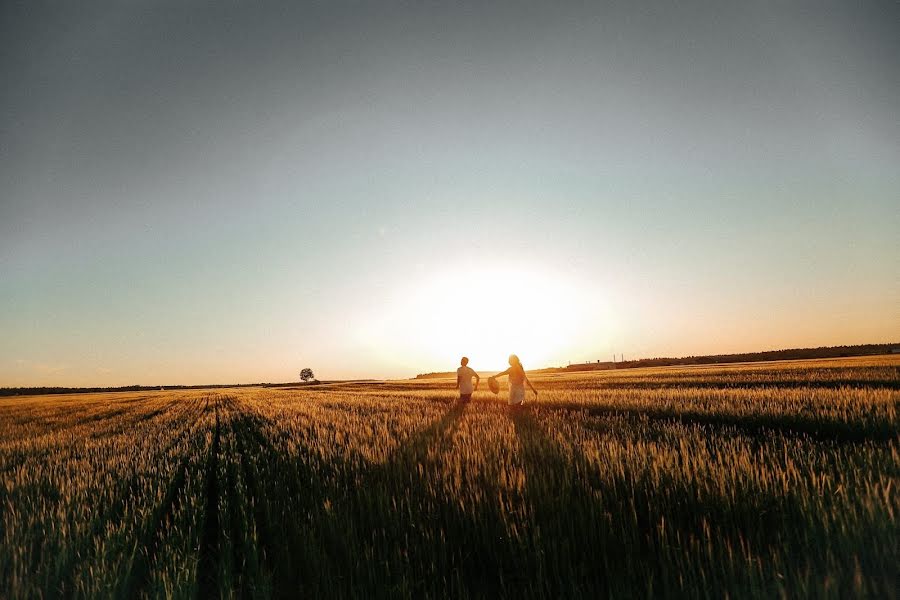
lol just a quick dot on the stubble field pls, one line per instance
(749, 480)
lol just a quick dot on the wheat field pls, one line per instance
(755, 480)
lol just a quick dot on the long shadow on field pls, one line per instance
(320, 525)
(565, 536)
(591, 533)
(351, 528)
(207, 572)
(313, 523)
(418, 445)
(401, 525)
(822, 429)
(272, 537)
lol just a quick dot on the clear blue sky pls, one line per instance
(202, 194)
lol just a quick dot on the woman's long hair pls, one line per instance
(514, 361)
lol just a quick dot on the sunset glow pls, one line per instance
(486, 314)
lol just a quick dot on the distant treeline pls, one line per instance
(36, 391)
(790, 354)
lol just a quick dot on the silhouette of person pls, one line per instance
(464, 375)
(517, 381)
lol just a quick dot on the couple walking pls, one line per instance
(517, 381)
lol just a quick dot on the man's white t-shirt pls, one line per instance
(465, 375)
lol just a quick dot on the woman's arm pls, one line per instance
(528, 381)
(506, 372)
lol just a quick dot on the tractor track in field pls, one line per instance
(116, 510)
(12, 461)
(153, 532)
(134, 420)
(154, 527)
(278, 552)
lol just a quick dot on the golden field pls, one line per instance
(759, 479)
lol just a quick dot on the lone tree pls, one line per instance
(307, 374)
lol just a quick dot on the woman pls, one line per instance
(517, 381)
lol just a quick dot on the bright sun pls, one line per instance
(486, 315)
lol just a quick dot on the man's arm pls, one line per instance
(458, 376)
(477, 380)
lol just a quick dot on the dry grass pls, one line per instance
(747, 480)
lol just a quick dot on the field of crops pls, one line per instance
(749, 480)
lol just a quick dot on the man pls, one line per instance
(464, 377)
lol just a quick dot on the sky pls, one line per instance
(229, 192)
